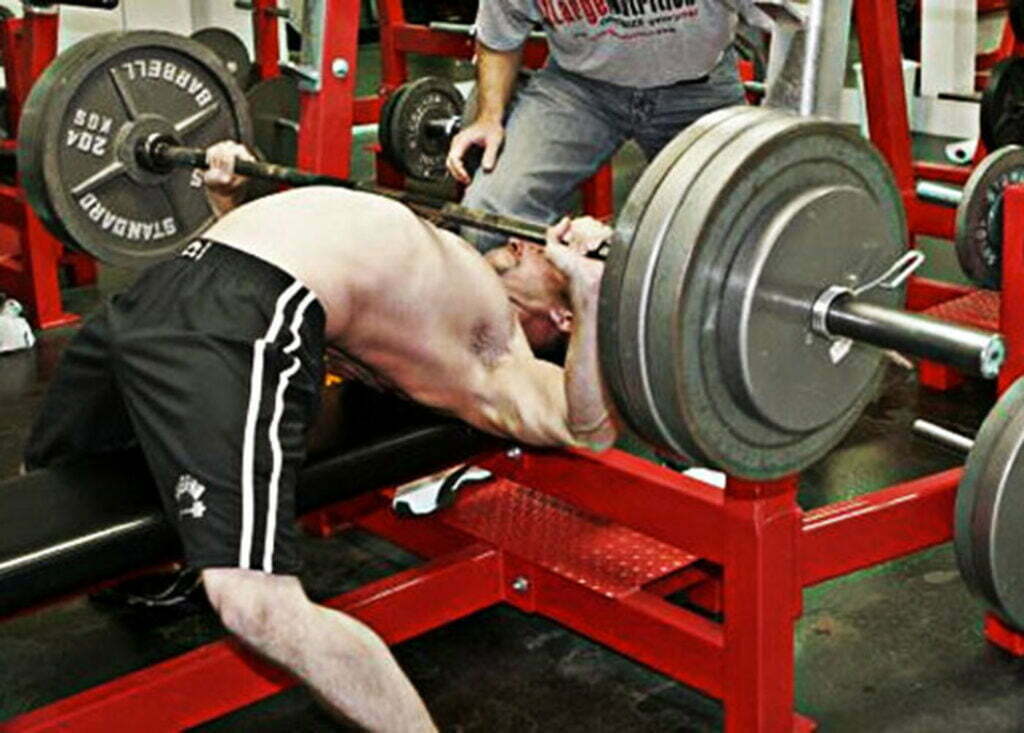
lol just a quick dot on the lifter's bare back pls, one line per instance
(419, 309)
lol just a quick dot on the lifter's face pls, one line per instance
(536, 289)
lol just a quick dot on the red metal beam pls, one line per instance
(1011, 312)
(931, 220)
(623, 488)
(670, 639)
(923, 293)
(877, 527)
(943, 172)
(220, 677)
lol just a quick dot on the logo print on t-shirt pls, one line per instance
(622, 19)
(188, 491)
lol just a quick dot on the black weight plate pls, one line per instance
(80, 128)
(231, 50)
(274, 107)
(989, 524)
(419, 151)
(1002, 105)
(385, 122)
(979, 217)
(1017, 18)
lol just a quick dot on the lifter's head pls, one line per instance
(537, 290)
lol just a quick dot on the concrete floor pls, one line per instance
(894, 648)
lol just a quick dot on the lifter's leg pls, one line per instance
(560, 131)
(345, 663)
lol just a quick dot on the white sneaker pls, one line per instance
(433, 494)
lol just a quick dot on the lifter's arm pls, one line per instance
(496, 75)
(539, 403)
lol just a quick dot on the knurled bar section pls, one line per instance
(607, 558)
(979, 309)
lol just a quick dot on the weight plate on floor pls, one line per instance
(1002, 105)
(989, 524)
(419, 148)
(979, 217)
(231, 50)
(737, 241)
(83, 121)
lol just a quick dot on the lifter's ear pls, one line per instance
(517, 247)
(561, 317)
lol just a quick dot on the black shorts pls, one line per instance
(212, 363)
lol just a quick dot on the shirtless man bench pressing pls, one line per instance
(213, 362)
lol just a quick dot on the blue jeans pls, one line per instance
(562, 127)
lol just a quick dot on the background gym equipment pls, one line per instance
(1002, 105)
(417, 123)
(754, 306)
(989, 526)
(98, 91)
(979, 212)
(232, 51)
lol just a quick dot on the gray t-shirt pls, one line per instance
(634, 43)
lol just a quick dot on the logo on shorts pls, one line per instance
(195, 249)
(189, 491)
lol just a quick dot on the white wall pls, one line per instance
(177, 16)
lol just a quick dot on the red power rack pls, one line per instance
(596, 542)
(31, 257)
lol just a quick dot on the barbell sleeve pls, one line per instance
(159, 155)
(938, 193)
(939, 434)
(964, 347)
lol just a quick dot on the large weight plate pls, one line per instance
(1002, 105)
(231, 50)
(80, 128)
(979, 217)
(385, 124)
(630, 266)
(417, 150)
(989, 524)
(754, 218)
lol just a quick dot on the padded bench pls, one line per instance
(69, 527)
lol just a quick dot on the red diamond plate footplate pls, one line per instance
(607, 558)
(979, 309)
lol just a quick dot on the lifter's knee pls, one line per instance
(253, 605)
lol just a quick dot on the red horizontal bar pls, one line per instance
(942, 172)
(220, 677)
(923, 292)
(622, 488)
(648, 629)
(851, 535)
(366, 110)
(412, 38)
(931, 220)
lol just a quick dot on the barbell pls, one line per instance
(756, 263)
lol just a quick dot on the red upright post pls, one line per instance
(325, 144)
(762, 596)
(265, 38)
(393, 65)
(883, 88)
(1011, 312)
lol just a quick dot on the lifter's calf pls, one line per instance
(342, 660)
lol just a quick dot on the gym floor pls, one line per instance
(894, 648)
